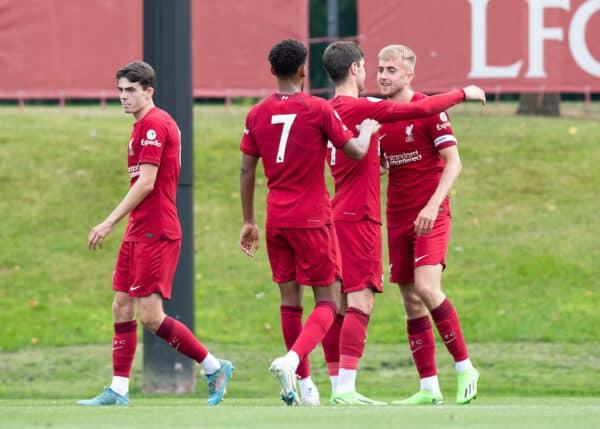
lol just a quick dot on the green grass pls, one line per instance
(386, 371)
(531, 413)
(522, 259)
(522, 264)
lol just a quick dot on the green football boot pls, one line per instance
(466, 386)
(422, 397)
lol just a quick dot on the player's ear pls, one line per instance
(301, 71)
(150, 91)
(273, 72)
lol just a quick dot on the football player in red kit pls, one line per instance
(289, 131)
(423, 161)
(357, 211)
(149, 252)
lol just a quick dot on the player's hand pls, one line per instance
(384, 164)
(249, 239)
(426, 219)
(98, 234)
(473, 92)
(371, 125)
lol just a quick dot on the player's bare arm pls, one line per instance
(249, 233)
(356, 148)
(140, 189)
(428, 215)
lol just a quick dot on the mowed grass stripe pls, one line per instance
(386, 371)
(532, 413)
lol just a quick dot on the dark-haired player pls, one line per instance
(149, 252)
(357, 212)
(289, 131)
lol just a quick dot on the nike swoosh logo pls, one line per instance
(420, 257)
(132, 288)
(117, 348)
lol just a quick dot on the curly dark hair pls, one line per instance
(286, 57)
(338, 57)
(138, 71)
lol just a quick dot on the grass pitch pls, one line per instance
(498, 413)
(386, 371)
(522, 271)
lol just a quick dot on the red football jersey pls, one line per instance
(155, 139)
(290, 133)
(411, 149)
(357, 183)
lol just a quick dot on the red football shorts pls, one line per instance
(308, 255)
(360, 246)
(146, 268)
(409, 250)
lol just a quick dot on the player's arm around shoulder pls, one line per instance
(357, 147)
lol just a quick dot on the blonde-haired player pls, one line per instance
(424, 163)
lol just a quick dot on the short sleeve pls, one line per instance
(440, 131)
(248, 144)
(335, 129)
(153, 138)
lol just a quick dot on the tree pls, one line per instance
(544, 104)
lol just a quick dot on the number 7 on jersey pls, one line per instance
(287, 121)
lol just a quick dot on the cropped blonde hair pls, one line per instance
(404, 53)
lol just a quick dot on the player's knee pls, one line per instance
(413, 305)
(364, 301)
(414, 308)
(123, 310)
(367, 307)
(431, 296)
(291, 293)
(150, 320)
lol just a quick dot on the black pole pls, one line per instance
(167, 47)
(332, 32)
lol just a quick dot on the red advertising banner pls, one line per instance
(66, 48)
(500, 45)
(231, 41)
(72, 48)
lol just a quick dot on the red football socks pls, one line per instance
(123, 349)
(181, 339)
(291, 326)
(316, 327)
(353, 337)
(331, 345)
(448, 326)
(422, 345)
